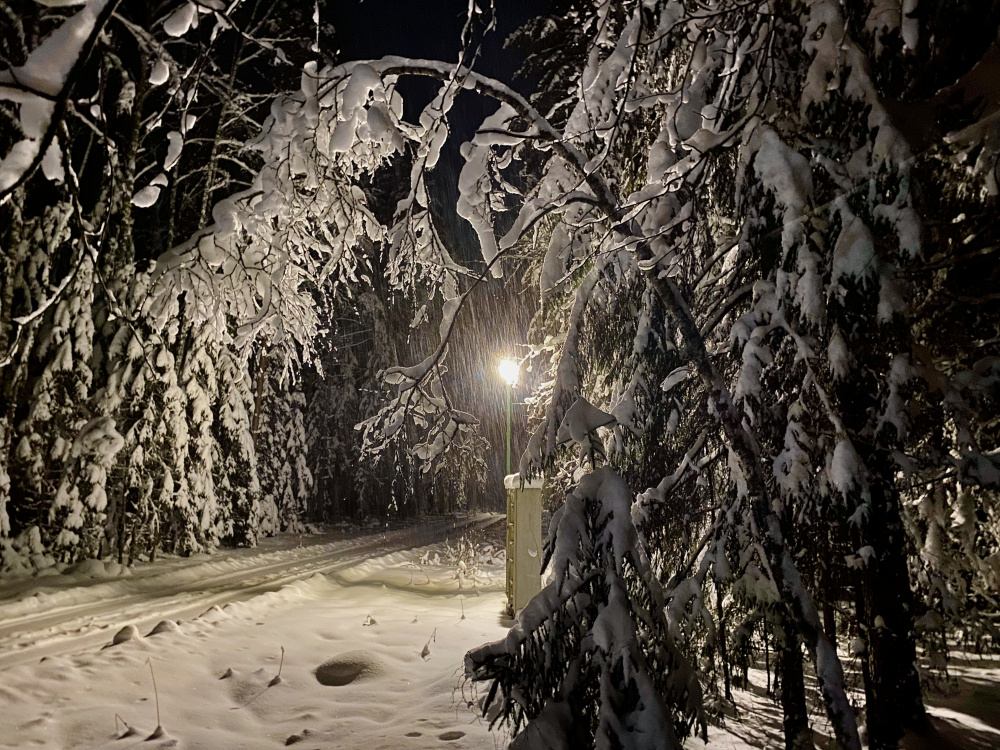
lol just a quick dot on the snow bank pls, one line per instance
(48, 592)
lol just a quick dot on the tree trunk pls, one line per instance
(122, 520)
(893, 699)
(259, 384)
(10, 259)
(213, 158)
(118, 252)
(795, 716)
(767, 656)
(829, 620)
(723, 648)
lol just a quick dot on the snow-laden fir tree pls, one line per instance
(282, 448)
(199, 380)
(237, 484)
(59, 418)
(110, 116)
(591, 660)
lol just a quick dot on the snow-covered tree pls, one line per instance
(237, 483)
(109, 115)
(199, 380)
(282, 448)
(591, 661)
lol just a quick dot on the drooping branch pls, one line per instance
(59, 99)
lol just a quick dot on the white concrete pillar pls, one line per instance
(524, 541)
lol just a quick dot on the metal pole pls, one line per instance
(510, 390)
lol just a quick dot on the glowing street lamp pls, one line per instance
(524, 518)
(509, 369)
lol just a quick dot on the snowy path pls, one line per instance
(51, 616)
(368, 657)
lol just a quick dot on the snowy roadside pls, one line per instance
(56, 614)
(373, 658)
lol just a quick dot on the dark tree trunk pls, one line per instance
(767, 656)
(795, 716)
(723, 648)
(122, 520)
(893, 699)
(829, 619)
(258, 398)
(831, 593)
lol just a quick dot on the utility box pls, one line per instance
(524, 541)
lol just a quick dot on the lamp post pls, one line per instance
(509, 371)
(524, 517)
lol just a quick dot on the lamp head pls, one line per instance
(509, 370)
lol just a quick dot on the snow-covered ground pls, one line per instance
(55, 614)
(370, 656)
(372, 659)
(964, 711)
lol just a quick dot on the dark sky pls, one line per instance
(425, 28)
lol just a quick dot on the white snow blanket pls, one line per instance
(373, 660)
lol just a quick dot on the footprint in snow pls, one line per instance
(347, 668)
(453, 735)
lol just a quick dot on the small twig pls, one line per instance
(426, 651)
(156, 693)
(128, 730)
(158, 732)
(277, 678)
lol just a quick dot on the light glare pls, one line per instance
(509, 370)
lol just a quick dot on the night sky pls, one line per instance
(426, 28)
